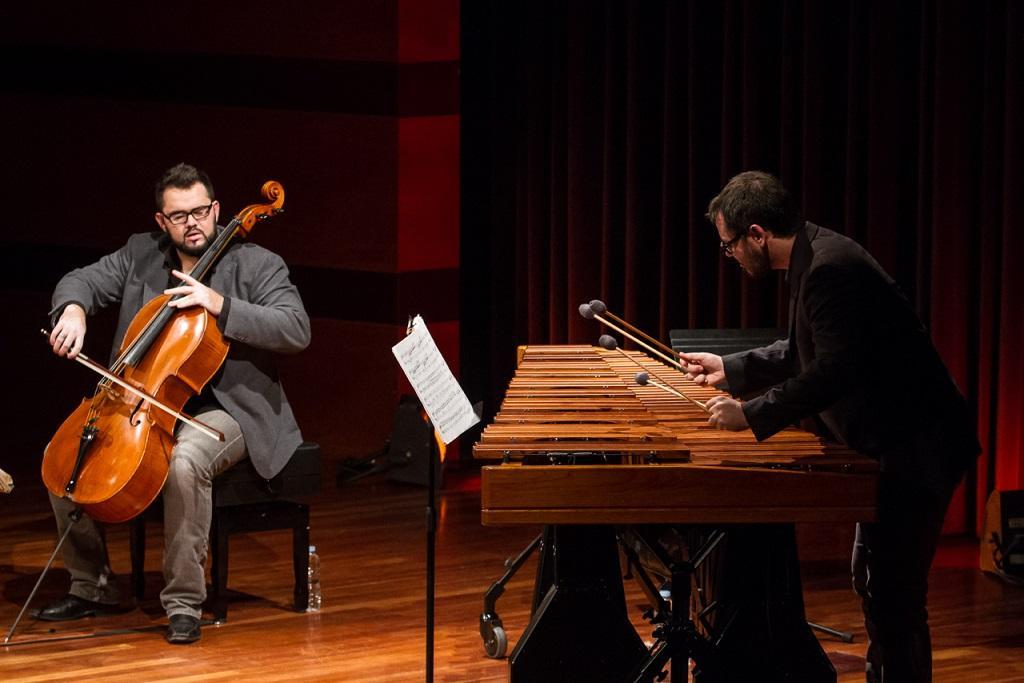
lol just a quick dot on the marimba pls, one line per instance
(584, 447)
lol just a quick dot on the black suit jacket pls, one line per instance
(859, 358)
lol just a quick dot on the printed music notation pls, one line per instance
(434, 383)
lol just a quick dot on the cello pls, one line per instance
(111, 455)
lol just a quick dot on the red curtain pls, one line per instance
(594, 134)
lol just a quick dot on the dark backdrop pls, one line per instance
(594, 134)
(352, 105)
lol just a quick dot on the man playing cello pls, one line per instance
(260, 312)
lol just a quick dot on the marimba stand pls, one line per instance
(753, 613)
(677, 637)
(569, 402)
(492, 629)
(580, 629)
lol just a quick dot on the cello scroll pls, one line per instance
(248, 216)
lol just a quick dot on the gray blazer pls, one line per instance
(263, 315)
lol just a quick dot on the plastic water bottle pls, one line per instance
(315, 597)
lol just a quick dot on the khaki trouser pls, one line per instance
(188, 508)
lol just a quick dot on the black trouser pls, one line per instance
(891, 559)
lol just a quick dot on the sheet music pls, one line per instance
(434, 383)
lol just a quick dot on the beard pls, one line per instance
(760, 264)
(194, 250)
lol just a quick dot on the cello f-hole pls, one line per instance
(131, 417)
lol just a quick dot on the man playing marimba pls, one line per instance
(851, 334)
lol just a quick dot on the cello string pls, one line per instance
(205, 262)
(108, 376)
(118, 366)
(139, 349)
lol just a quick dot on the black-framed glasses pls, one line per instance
(180, 217)
(727, 247)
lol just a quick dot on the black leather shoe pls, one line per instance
(182, 629)
(72, 607)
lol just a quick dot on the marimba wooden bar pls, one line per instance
(584, 400)
(584, 449)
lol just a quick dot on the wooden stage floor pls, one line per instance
(372, 543)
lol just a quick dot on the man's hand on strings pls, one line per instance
(703, 368)
(68, 334)
(194, 293)
(726, 413)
